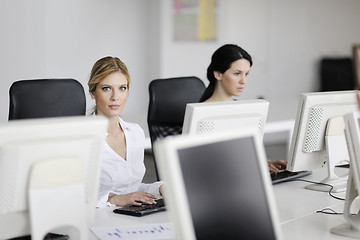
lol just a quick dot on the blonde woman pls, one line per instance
(123, 159)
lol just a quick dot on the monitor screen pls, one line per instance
(218, 186)
(318, 126)
(351, 213)
(203, 118)
(23, 143)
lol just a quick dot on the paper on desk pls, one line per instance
(141, 232)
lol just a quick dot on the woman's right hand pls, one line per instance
(276, 166)
(135, 198)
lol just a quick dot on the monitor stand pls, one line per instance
(56, 198)
(337, 153)
(352, 227)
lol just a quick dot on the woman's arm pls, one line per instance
(135, 198)
(152, 188)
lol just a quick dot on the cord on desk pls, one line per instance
(332, 212)
(329, 211)
(320, 183)
(325, 210)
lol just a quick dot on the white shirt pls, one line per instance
(120, 176)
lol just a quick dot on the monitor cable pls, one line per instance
(328, 211)
(320, 183)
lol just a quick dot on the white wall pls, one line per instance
(286, 39)
(63, 38)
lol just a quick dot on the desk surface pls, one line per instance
(296, 205)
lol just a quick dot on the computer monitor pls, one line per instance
(318, 138)
(28, 145)
(218, 186)
(352, 215)
(203, 118)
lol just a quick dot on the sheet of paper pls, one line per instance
(141, 232)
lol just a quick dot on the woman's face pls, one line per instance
(111, 94)
(233, 80)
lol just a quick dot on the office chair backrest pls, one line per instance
(41, 98)
(337, 74)
(168, 99)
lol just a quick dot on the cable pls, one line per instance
(331, 211)
(320, 183)
(325, 210)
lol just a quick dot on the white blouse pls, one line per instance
(120, 176)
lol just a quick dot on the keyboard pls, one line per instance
(49, 236)
(142, 210)
(285, 175)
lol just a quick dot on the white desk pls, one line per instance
(314, 226)
(294, 201)
(297, 208)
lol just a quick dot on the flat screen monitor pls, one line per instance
(218, 186)
(25, 143)
(352, 215)
(204, 118)
(318, 138)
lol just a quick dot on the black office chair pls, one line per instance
(337, 74)
(168, 99)
(40, 98)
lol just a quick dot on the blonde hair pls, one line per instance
(104, 67)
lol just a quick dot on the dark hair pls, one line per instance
(221, 61)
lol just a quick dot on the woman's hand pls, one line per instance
(135, 198)
(276, 166)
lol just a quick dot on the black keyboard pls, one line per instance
(142, 210)
(284, 176)
(49, 236)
